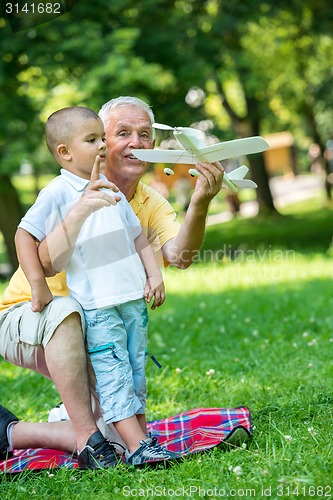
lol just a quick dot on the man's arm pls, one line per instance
(181, 250)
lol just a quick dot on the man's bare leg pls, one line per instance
(57, 435)
(66, 362)
(66, 359)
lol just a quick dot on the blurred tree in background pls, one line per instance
(232, 68)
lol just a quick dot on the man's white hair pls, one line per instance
(104, 112)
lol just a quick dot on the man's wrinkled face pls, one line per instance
(128, 128)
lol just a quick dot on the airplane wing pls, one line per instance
(215, 152)
(244, 183)
(233, 149)
(165, 156)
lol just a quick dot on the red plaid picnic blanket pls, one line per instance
(189, 432)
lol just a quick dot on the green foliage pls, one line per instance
(28, 187)
(276, 60)
(234, 69)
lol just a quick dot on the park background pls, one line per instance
(250, 323)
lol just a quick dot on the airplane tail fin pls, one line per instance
(237, 179)
(238, 173)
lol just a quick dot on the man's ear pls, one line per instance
(63, 152)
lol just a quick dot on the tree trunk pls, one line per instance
(247, 128)
(257, 163)
(328, 180)
(260, 177)
(11, 212)
(311, 118)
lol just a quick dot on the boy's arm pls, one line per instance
(154, 283)
(27, 253)
(56, 249)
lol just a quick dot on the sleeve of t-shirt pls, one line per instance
(163, 224)
(42, 217)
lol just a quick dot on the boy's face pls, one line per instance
(86, 142)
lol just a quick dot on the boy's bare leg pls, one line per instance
(143, 422)
(131, 432)
(139, 453)
(66, 359)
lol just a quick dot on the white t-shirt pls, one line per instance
(105, 269)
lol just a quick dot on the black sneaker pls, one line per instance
(149, 452)
(98, 453)
(6, 418)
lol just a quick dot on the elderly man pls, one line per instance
(51, 342)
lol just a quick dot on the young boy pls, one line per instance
(110, 266)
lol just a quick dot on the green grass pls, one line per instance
(300, 228)
(257, 308)
(266, 329)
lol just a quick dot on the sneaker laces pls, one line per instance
(155, 448)
(111, 448)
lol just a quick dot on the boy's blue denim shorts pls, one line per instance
(117, 345)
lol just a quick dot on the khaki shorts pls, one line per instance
(24, 334)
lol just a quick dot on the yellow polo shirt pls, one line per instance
(159, 223)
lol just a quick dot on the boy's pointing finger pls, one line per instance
(95, 170)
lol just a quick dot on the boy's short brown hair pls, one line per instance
(61, 125)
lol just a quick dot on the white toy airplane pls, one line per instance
(196, 151)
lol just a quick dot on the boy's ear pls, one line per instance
(63, 152)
